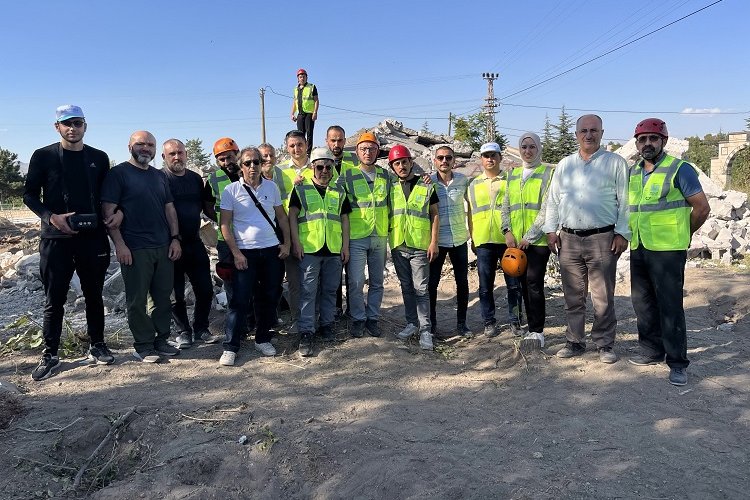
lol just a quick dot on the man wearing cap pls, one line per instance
(486, 193)
(588, 204)
(413, 238)
(305, 107)
(319, 226)
(187, 190)
(667, 205)
(451, 188)
(367, 189)
(146, 245)
(64, 181)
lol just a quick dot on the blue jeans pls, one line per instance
(319, 273)
(488, 255)
(261, 281)
(368, 251)
(413, 271)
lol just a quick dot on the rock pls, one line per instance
(736, 199)
(721, 209)
(710, 187)
(208, 233)
(28, 264)
(221, 299)
(114, 285)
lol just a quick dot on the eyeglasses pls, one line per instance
(489, 155)
(247, 163)
(444, 157)
(366, 149)
(642, 139)
(320, 168)
(73, 123)
(527, 146)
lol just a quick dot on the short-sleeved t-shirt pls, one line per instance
(686, 180)
(187, 191)
(141, 195)
(346, 208)
(251, 230)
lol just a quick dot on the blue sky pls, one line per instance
(193, 69)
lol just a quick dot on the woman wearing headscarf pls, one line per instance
(523, 214)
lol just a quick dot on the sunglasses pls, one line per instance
(444, 157)
(320, 168)
(247, 163)
(650, 138)
(73, 123)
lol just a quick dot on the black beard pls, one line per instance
(650, 153)
(141, 159)
(232, 168)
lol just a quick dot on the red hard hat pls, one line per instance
(301, 71)
(514, 262)
(224, 271)
(225, 144)
(397, 152)
(652, 126)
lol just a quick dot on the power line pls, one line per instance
(609, 52)
(630, 111)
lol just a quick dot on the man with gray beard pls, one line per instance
(146, 244)
(187, 190)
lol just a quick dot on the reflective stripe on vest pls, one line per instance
(369, 206)
(319, 219)
(486, 220)
(525, 198)
(218, 181)
(659, 213)
(410, 219)
(308, 103)
(284, 175)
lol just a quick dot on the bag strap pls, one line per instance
(263, 212)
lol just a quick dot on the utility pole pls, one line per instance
(450, 122)
(489, 106)
(263, 115)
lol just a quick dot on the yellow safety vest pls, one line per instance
(284, 175)
(486, 219)
(659, 213)
(369, 206)
(218, 181)
(308, 103)
(410, 219)
(319, 219)
(525, 199)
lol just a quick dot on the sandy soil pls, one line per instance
(377, 418)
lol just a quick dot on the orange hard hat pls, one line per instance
(397, 152)
(225, 144)
(514, 262)
(367, 137)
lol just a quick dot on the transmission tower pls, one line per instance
(489, 106)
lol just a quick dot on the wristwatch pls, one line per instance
(176, 237)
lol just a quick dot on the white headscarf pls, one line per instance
(538, 158)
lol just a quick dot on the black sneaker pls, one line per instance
(206, 337)
(372, 327)
(571, 349)
(163, 348)
(326, 334)
(678, 376)
(463, 330)
(306, 345)
(100, 354)
(643, 360)
(184, 340)
(46, 367)
(148, 356)
(358, 329)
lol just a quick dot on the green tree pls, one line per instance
(472, 129)
(11, 180)
(739, 176)
(700, 151)
(426, 127)
(565, 138)
(614, 146)
(549, 152)
(197, 159)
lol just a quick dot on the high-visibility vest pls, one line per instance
(659, 213)
(284, 175)
(369, 206)
(486, 220)
(218, 181)
(525, 198)
(348, 160)
(319, 219)
(410, 219)
(308, 103)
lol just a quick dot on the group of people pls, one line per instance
(326, 210)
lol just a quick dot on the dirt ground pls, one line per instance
(377, 418)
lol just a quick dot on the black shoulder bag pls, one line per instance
(275, 227)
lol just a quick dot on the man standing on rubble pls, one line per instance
(64, 180)
(667, 205)
(305, 107)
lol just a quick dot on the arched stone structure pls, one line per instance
(721, 165)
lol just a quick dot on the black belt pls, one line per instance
(589, 232)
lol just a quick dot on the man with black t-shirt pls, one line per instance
(319, 227)
(187, 191)
(64, 180)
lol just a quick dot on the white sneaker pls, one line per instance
(227, 358)
(407, 332)
(266, 348)
(425, 340)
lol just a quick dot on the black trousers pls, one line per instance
(656, 283)
(87, 255)
(460, 261)
(532, 286)
(305, 124)
(194, 264)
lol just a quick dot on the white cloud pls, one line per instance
(700, 111)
